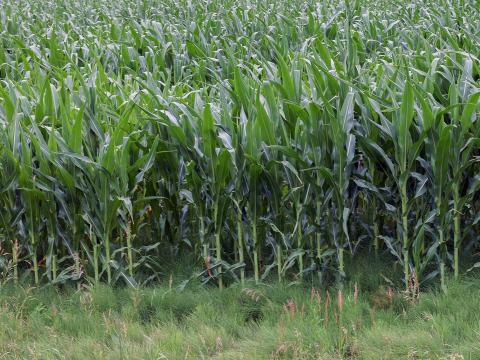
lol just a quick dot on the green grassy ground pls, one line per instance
(264, 322)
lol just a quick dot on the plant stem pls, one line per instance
(218, 246)
(202, 232)
(456, 230)
(442, 276)
(54, 268)
(255, 244)
(15, 261)
(442, 259)
(106, 237)
(95, 263)
(34, 260)
(376, 234)
(406, 260)
(318, 220)
(279, 262)
(341, 265)
(129, 249)
(241, 257)
(299, 241)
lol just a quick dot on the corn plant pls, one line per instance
(254, 135)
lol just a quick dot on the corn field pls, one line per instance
(268, 139)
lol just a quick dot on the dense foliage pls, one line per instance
(265, 137)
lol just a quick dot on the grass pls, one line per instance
(270, 321)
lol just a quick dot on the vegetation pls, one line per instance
(266, 138)
(368, 319)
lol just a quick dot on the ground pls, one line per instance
(364, 320)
